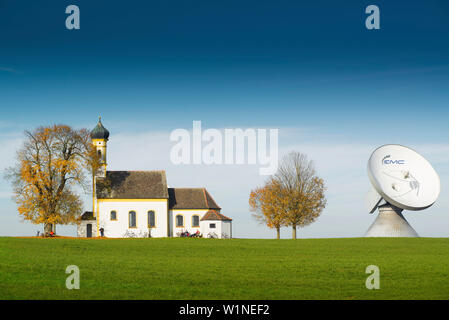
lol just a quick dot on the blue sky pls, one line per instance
(311, 69)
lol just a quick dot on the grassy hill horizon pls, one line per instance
(182, 268)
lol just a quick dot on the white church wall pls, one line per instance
(226, 229)
(81, 228)
(119, 228)
(208, 230)
(187, 216)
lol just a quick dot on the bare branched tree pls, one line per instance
(305, 190)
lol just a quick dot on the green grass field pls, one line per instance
(224, 269)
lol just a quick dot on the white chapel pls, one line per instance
(139, 204)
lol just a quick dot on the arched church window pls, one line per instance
(179, 221)
(151, 219)
(99, 154)
(195, 221)
(132, 219)
(113, 215)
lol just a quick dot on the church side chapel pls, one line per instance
(139, 204)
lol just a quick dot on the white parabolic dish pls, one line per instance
(403, 177)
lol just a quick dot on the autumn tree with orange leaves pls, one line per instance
(50, 165)
(293, 196)
(268, 204)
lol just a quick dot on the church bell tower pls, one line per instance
(99, 136)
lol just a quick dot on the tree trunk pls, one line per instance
(48, 227)
(294, 231)
(278, 232)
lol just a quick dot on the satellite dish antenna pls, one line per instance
(402, 180)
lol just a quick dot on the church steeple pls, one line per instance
(99, 136)
(99, 132)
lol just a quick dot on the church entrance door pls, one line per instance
(89, 230)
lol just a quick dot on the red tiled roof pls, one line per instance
(215, 215)
(132, 185)
(191, 198)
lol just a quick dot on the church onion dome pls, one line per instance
(99, 132)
